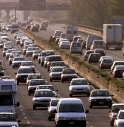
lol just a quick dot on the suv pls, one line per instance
(70, 112)
(22, 74)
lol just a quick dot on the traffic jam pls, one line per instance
(64, 111)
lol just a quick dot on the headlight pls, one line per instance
(61, 118)
(81, 118)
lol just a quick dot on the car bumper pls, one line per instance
(101, 103)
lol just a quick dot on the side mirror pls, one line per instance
(19, 121)
(87, 111)
(18, 104)
(15, 72)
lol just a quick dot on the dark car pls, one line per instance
(28, 27)
(34, 28)
(87, 53)
(100, 97)
(94, 58)
(100, 51)
(42, 27)
(2, 71)
(106, 63)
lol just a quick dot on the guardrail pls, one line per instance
(90, 30)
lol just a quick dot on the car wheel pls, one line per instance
(34, 107)
(49, 118)
(17, 82)
(70, 95)
(62, 80)
(51, 79)
(90, 106)
(3, 55)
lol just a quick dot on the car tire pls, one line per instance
(17, 82)
(3, 55)
(51, 80)
(62, 80)
(49, 118)
(34, 107)
(29, 93)
(90, 106)
(70, 95)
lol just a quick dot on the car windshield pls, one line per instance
(69, 71)
(7, 117)
(79, 82)
(17, 53)
(10, 51)
(57, 64)
(116, 108)
(121, 115)
(88, 52)
(46, 87)
(71, 108)
(95, 55)
(54, 102)
(107, 61)
(34, 77)
(44, 94)
(27, 64)
(100, 93)
(47, 53)
(97, 51)
(37, 82)
(57, 69)
(25, 70)
(37, 51)
(19, 59)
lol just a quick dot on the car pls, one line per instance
(42, 98)
(106, 63)
(5, 38)
(100, 51)
(28, 64)
(28, 27)
(50, 59)
(79, 86)
(119, 121)
(2, 70)
(118, 71)
(114, 112)
(8, 119)
(27, 42)
(33, 76)
(43, 55)
(47, 87)
(9, 43)
(68, 74)
(64, 45)
(116, 63)
(5, 50)
(8, 28)
(70, 112)
(2, 43)
(52, 107)
(33, 83)
(16, 61)
(22, 40)
(36, 54)
(42, 27)
(55, 73)
(86, 54)
(34, 28)
(8, 52)
(94, 58)
(105, 57)
(30, 50)
(100, 97)
(57, 32)
(22, 74)
(56, 63)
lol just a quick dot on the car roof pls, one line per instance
(78, 79)
(34, 74)
(36, 79)
(44, 85)
(24, 67)
(58, 67)
(44, 90)
(70, 100)
(117, 104)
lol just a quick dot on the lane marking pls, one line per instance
(25, 117)
(21, 109)
(23, 113)
(28, 122)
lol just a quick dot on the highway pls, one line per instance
(97, 117)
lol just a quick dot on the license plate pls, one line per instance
(71, 122)
(101, 102)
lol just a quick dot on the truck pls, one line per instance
(8, 96)
(112, 36)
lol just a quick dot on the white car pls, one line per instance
(119, 121)
(79, 86)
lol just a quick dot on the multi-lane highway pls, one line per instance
(38, 118)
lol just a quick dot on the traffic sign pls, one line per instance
(32, 4)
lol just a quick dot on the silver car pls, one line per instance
(79, 86)
(36, 54)
(55, 73)
(30, 50)
(52, 107)
(42, 98)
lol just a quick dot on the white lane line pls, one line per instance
(28, 122)
(23, 113)
(20, 106)
(25, 117)
(21, 109)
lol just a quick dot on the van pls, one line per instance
(76, 47)
(90, 40)
(70, 112)
(14, 28)
(97, 44)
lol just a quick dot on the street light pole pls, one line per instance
(15, 14)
